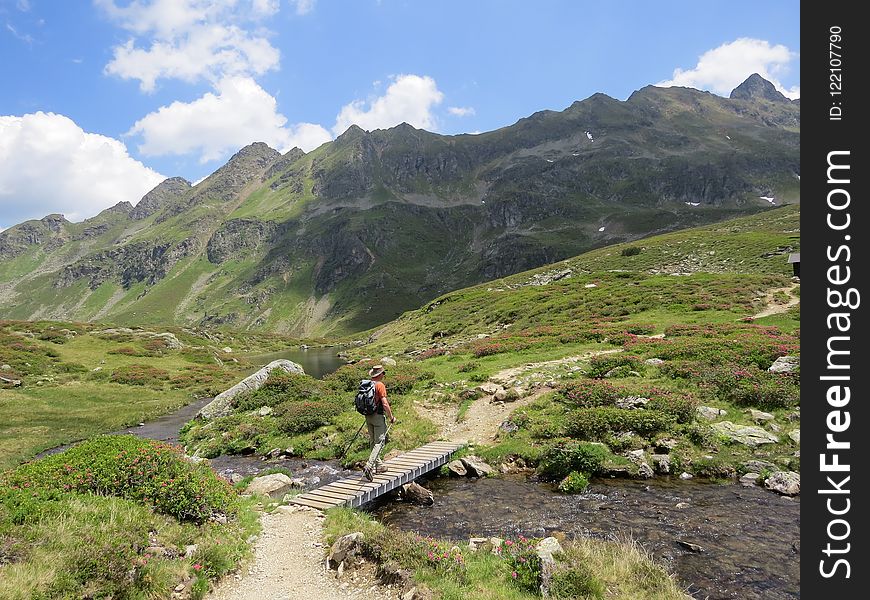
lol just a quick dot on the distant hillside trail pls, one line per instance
(484, 417)
(289, 564)
(772, 307)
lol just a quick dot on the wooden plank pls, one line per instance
(312, 503)
(351, 487)
(405, 459)
(406, 463)
(427, 455)
(426, 450)
(331, 495)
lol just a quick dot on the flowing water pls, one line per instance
(749, 538)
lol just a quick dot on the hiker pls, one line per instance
(377, 422)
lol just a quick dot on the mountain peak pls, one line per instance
(258, 151)
(159, 197)
(757, 87)
(351, 133)
(54, 221)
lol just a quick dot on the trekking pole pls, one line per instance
(352, 440)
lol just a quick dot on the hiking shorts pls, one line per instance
(377, 426)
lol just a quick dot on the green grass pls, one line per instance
(58, 544)
(68, 393)
(621, 568)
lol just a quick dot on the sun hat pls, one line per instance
(377, 370)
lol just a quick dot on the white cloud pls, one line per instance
(409, 98)
(266, 8)
(722, 69)
(24, 37)
(191, 40)
(48, 164)
(23, 5)
(240, 112)
(461, 111)
(303, 7)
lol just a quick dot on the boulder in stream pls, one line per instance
(787, 483)
(274, 485)
(417, 494)
(475, 466)
(455, 467)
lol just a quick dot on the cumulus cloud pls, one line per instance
(409, 98)
(238, 113)
(191, 40)
(303, 7)
(461, 111)
(48, 164)
(722, 69)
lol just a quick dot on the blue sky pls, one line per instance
(102, 99)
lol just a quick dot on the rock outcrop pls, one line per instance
(222, 404)
(744, 434)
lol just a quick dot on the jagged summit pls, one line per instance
(257, 152)
(160, 196)
(351, 133)
(757, 87)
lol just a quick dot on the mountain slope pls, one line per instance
(716, 273)
(372, 224)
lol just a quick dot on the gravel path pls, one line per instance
(289, 565)
(772, 307)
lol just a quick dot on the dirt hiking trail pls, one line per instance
(773, 308)
(289, 564)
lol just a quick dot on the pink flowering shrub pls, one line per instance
(150, 473)
(523, 563)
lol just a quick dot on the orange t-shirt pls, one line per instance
(380, 394)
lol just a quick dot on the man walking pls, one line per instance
(377, 422)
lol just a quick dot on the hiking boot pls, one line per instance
(381, 468)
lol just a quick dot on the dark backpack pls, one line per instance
(365, 398)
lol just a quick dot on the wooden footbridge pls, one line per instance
(357, 490)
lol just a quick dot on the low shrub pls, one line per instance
(566, 456)
(700, 434)
(482, 350)
(598, 423)
(681, 406)
(346, 378)
(523, 563)
(55, 337)
(280, 387)
(574, 483)
(431, 353)
(303, 417)
(575, 581)
(713, 468)
(148, 472)
(139, 375)
(467, 367)
(631, 251)
(600, 366)
(584, 393)
(754, 388)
